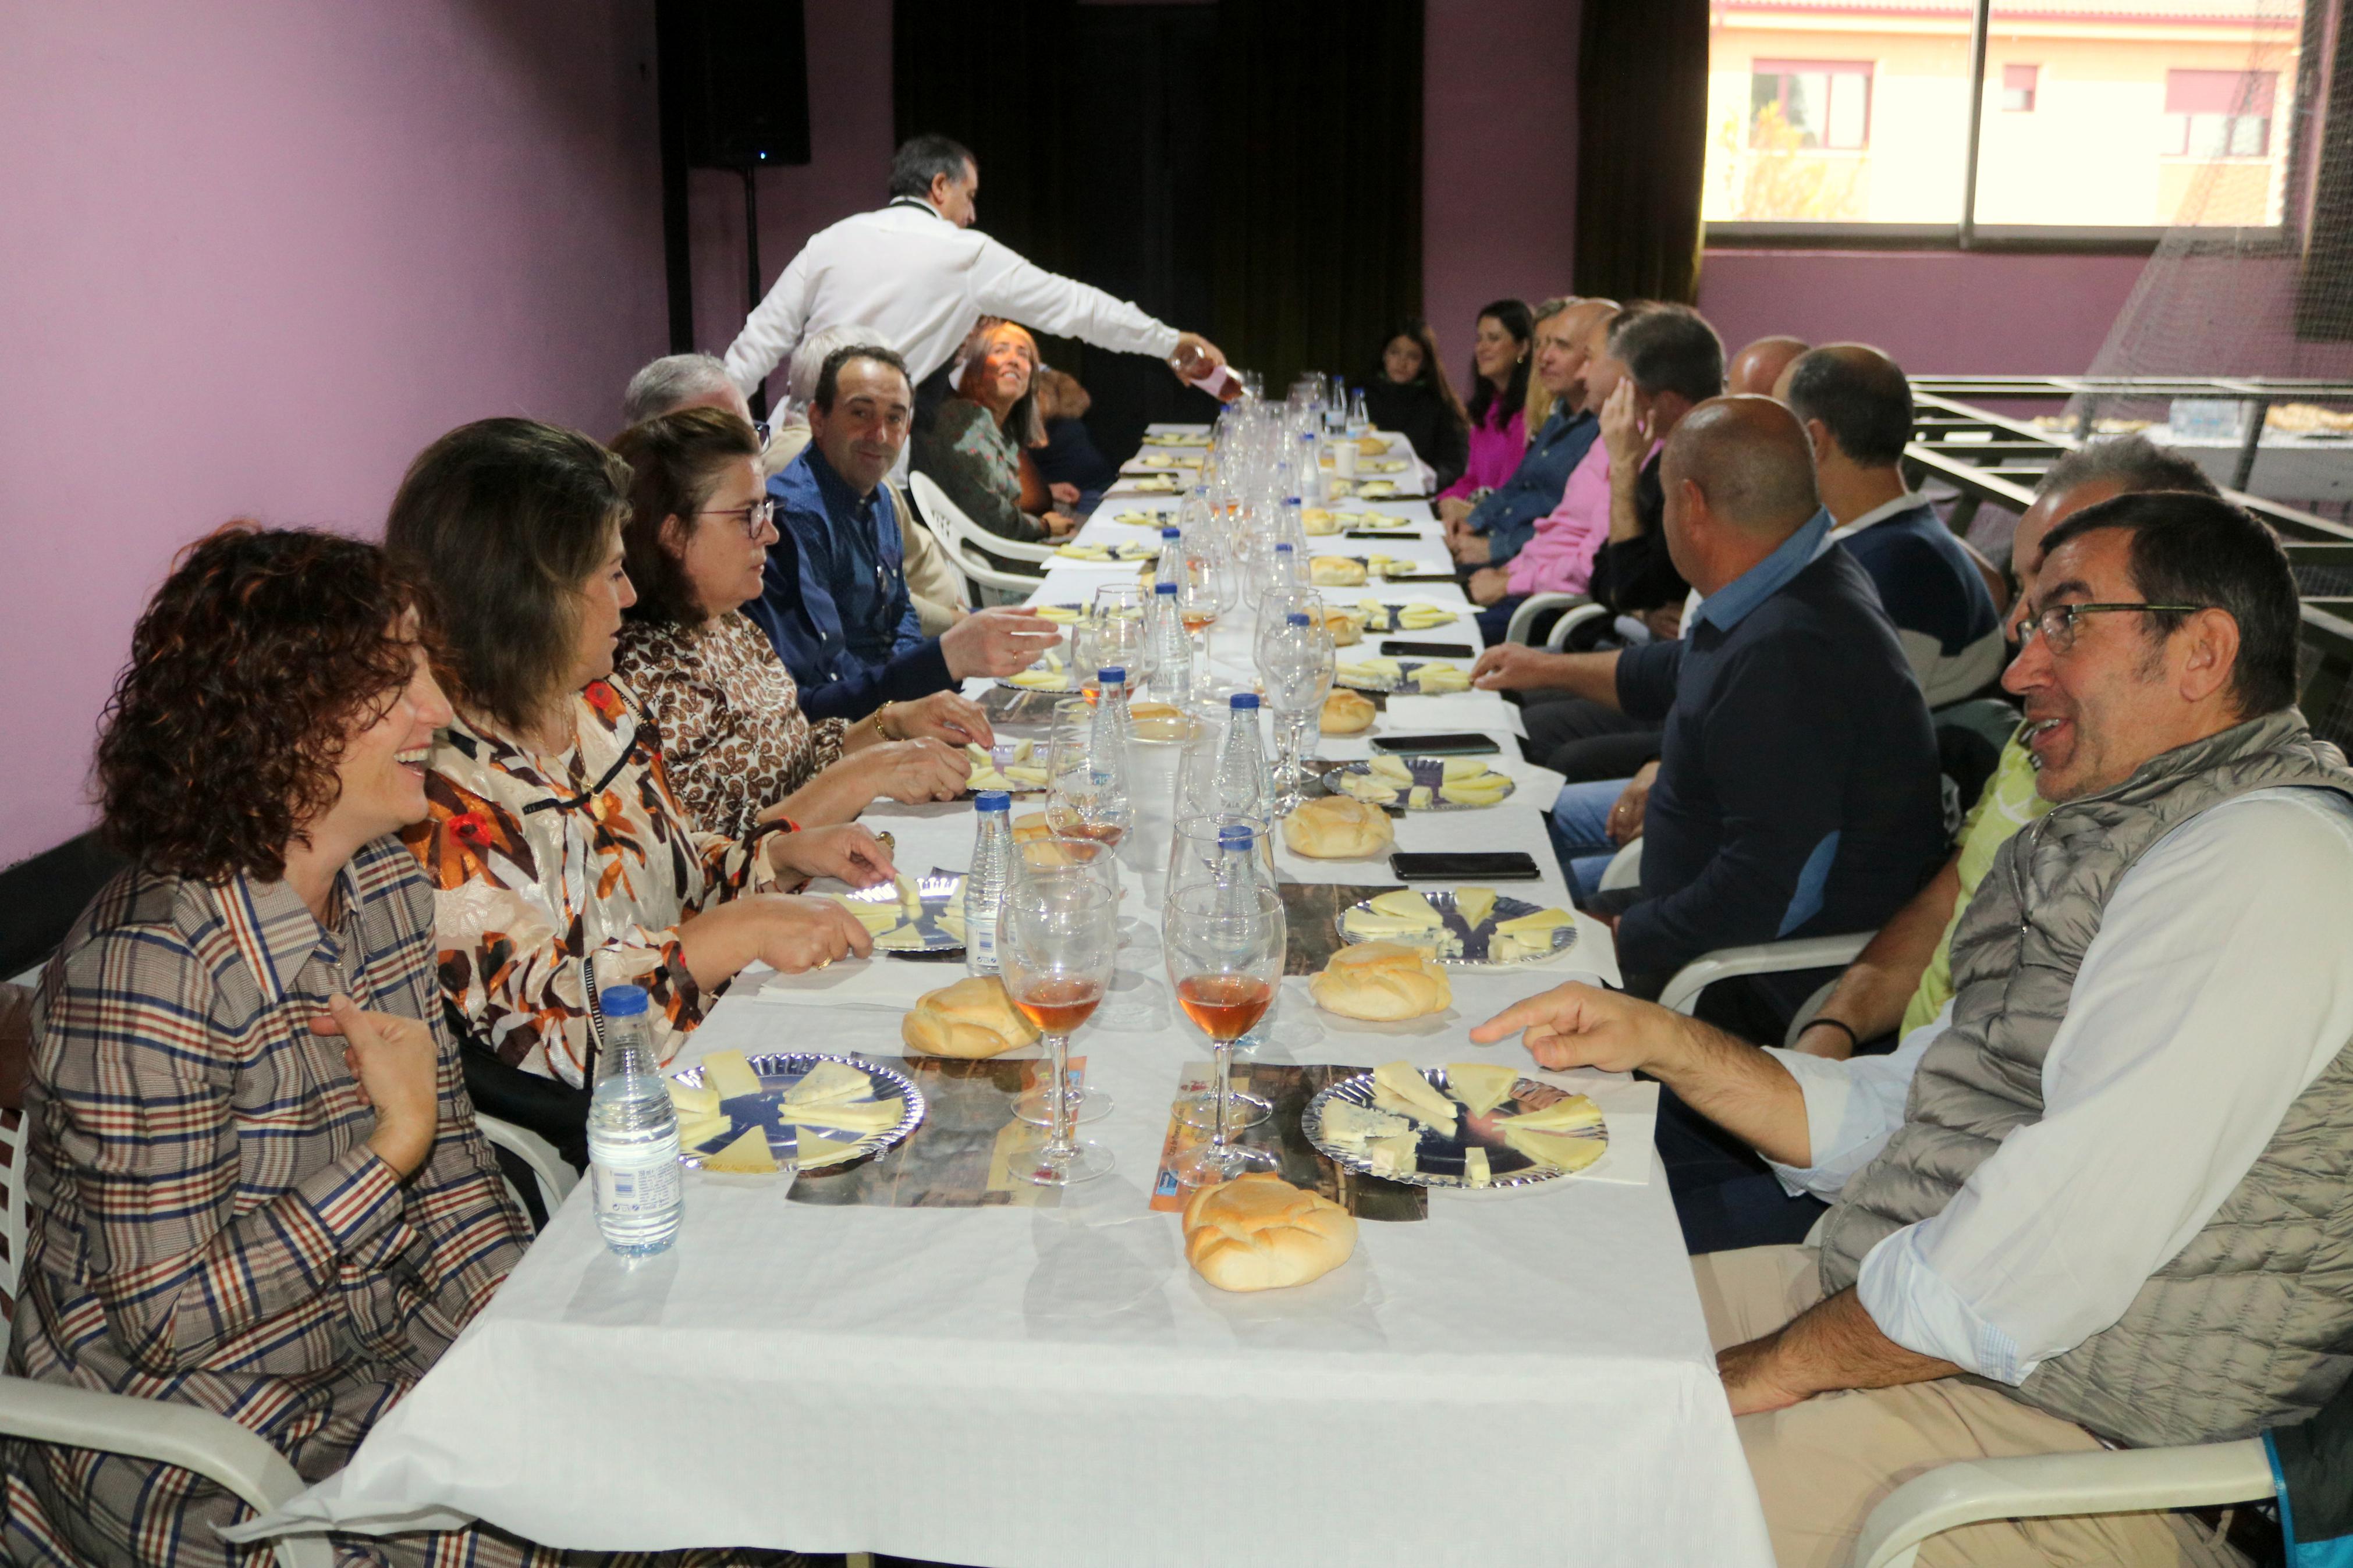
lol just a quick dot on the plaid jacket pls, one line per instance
(208, 1222)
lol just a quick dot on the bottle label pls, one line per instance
(980, 946)
(649, 1189)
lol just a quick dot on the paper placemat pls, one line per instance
(1288, 1089)
(956, 1157)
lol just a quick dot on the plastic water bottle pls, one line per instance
(633, 1134)
(1195, 515)
(1284, 571)
(1309, 467)
(1245, 783)
(1360, 418)
(984, 884)
(1114, 728)
(1171, 673)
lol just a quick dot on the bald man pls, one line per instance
(1797, 791)
(1758, 368)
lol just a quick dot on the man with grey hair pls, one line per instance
(919, 273)
(682, 381)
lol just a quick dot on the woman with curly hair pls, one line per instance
(247, 1132)
(737, 747)
(565, 862)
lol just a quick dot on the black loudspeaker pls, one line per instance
(737, 72)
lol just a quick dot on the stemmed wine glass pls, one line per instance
(1196, 859)
(1120, 635)
(1224, 940)
(1196, 574)
(1087, 774)
(1089, 857)
(1296, 664)
(1055, 944)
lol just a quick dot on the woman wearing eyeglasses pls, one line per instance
(739, 749)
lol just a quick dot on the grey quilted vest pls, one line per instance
(2250, 1324)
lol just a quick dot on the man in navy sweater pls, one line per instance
(1857, 407)
(1797, 790)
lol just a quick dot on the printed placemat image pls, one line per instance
(957, 1158)
(1287, 1087)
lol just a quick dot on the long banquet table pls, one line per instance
(1515, 1378)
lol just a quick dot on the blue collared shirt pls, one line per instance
(1508, 517)
(1729, 605)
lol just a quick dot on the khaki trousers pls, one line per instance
(1824, 1465)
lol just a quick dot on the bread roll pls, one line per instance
(1337, 572)
(974, 1017)
(1382, 982)
(1259, 1232)
(1348, 713)
(1029, 825)
(1337, 827)
(1346, 626)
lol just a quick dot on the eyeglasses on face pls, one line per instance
(2058, 624)
(754, 520)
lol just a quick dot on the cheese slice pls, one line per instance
(1473, 795)
(850, 1115)
(979, 754)
(1397, 1087)
(1474, 905)
(1352, 1126)
(1568, 1150)
(694, 1132)
(1537, 924)
(1395, 1155)
(1418, 797)
(987, 778)
(829, 1082)
(692, 1098)
(1390, 768)
(1407, 905)
(952, 923)
(1040, 680)
(1460, 770)
(910, 897)
(1368, 927)
(1435, 679)
(875, 918)
(812, 1150)
(748, 1154)
(1370, 788)
(1481, 1086)
(1024, 750)
(1504, 947)
(730, 1074)
(1474, 1167)
(1027, 777)
(1571, 1115)
(908, 938)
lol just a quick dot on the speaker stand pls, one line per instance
(752, 268)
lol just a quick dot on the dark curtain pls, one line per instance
(986, 74)
(1641, 148)
(2324, 302)
(1317, 211)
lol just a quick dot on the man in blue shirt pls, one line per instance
(833, 601)
(1857, 406)
(1492, 532)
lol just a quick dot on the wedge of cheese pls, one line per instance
(1474, 1167)
(1398, 1088)
(1407, 904)
(1504, 948)
(907, 938)
(979, 756)
(1480, 794)
(1568, 1150)
(1352, 1126)
(1575, 1114)
(1395, 1155)
(1474, 905)
(1418, 797)
(748, 1155)
(1539, 924)
(1371, 788)
(692, 1100)
(828, 1082)
(812, 1150)
(1422, 618)
(1366, 926)
(694, 1132)
(850, 1115)
(1481, 1086)
(1435, 679)
(1390, 768)
(1042, 679)
(875, 918)
(910, 897)
(730, 1074)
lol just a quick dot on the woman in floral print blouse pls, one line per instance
(564, 862)
(738, 749)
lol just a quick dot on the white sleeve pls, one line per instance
(1005, 284)
(1853, 1106)
(2219, 984)
(773, 329)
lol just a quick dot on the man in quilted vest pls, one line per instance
(2106, 1196)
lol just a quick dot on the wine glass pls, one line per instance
(1225, 946)
(1117, 625)
(1081, 857)
(1087, 775)
(1196, 574)
(1296, 664)
(1196, 859)
(1055, 945)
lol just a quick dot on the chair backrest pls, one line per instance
(962, 538)
(12, 1215)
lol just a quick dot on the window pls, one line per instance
(2218, 114)
(1811, 104)
(2018, 88)
(2099, 122)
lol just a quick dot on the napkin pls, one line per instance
(887, 983)
(1455, 710)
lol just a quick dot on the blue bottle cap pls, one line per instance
(1172, 533)
(1201, 489)
(1168, 588)
(1283, 544)
(622, 1000)
(1296, 618)
(1242, 699)
(993, 800)
(1235, 838)
(1115, 675)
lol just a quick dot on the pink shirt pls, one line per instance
(1495, 452)
(1559, 558)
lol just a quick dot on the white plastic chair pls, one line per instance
(163, 1430)
(965, 540)
(2044, 1486)
(1625, 869)
(553, 1174)
(1524, 619)
(1682, 994)
(1571, 619)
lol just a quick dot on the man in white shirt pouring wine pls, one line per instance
(2107, 1194)
(920, 275)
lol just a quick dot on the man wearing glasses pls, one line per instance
(2112, 1182)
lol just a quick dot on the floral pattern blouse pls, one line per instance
(556, 877)
(976, 463)
(734, 739)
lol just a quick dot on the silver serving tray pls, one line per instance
(1438, 1157)
(1428, 770)
(1402, 681)
(779, 1073)
(940, 890)
(1386, 624)
(1473, 940)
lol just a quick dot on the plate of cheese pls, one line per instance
(1431, 677)
(1109, 554)
(763, 1114)
(1381, 619)
(1469, 1125)
(1150, 485)
(1421, 783)
(1166, 460)
(1474, 926)
(1048, 674)
(913, 914)
(1019, 767)
(1144, 519)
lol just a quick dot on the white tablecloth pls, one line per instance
(1518, 1378)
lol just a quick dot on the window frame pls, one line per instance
(1868, 70)
(2103, 239)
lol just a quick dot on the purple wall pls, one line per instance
(1498, 160)
(1936, 313)
(255, 256)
